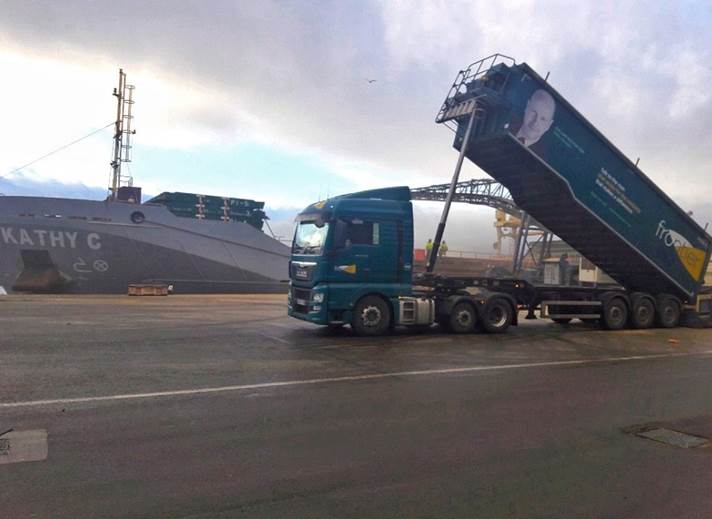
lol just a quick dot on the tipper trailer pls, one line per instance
(352, 255)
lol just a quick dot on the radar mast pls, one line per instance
(122, 135)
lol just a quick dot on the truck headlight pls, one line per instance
(318, 297)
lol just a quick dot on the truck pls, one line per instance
(352, 255)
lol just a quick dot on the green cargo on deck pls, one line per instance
(207, 207)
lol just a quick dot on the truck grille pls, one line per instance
(300, 300)
(302, 270)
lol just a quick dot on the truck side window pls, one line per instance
(356, 232)
(360, 233)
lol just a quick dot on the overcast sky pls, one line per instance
(270, 100)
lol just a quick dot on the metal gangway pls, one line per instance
(490, 193)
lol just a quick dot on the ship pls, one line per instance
(193, 243)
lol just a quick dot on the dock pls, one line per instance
(222, 406)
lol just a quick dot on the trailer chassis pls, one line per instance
(612, 306)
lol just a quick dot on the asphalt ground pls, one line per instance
(221, 406)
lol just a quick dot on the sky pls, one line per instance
(271, 100)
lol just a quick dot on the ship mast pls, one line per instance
(122, 134)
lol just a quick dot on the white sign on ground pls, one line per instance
(23, 446)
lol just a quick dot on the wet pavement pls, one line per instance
(221, 406)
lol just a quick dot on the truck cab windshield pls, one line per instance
(309, 238)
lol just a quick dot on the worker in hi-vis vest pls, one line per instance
(443, 249)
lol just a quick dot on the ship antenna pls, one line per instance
(122, 133)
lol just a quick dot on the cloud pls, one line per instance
(692, 82)
(271, 72)
(292, 75)
(23, 184)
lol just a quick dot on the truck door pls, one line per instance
(362, 252)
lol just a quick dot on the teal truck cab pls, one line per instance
(352, 263)
(352, 253)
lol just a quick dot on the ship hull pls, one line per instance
(79, 246)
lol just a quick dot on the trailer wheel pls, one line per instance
(371, 316)
(615, 314)
(668, 313)
(643, 315)
(497, 315)
(463, 318)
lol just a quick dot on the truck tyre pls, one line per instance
(668, 312)
(643, 314)
(615, 314)
(497, 315)
(463, 318)
(371, 316)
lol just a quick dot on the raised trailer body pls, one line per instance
(570, 178)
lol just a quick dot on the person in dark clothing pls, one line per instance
(564, 269)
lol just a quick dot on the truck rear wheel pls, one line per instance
(497, 315)
(643, 315)
(615, 314)
(371, 316)
(463, 318)
(668, 312)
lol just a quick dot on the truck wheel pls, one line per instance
(668, 314)
(643, 315)
(615, 314)
(462, 318)
(371, 316)
(497, 315)
(562, 320)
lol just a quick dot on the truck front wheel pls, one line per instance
(371, 316)
(497, 315)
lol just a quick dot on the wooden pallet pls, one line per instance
(148, 290)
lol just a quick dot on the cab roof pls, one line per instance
(393, 194)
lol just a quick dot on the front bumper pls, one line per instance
(308, 304)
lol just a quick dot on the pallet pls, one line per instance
(148, 290)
